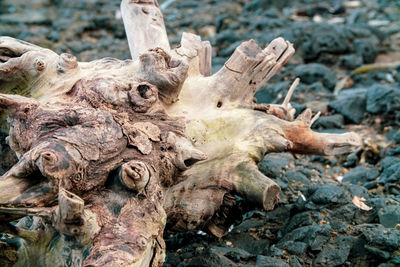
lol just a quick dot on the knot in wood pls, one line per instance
(134, 175)
(142, 96)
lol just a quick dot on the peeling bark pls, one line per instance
(110, 151)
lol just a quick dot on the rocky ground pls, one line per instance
(317, 221)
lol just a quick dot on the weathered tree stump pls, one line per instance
(111, 151)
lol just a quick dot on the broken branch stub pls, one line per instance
(113, 151)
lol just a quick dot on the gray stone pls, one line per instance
(383, 99)
(386, 239)
(294, 247)
(330, 122)
(296, 178)
(315, 236)
(335, 253)
(389, 216)
(351, 62)
(360, 175)
(273, 167)
(327, 194)
(265, 261)
(351, 104)
(314, 72)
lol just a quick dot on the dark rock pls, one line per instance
(351, 62)
(335, 253)
(234, 254)
(274, 251)
(293, 247)
(356, 190)
(302, 219)
(383, 99)
(280, 215)
(273, 167)
(210, 257)
(245, 241)
(389, 216)
(393, 151)
(330, 122)
(360, 175)
(386, 239)
(295, 262)
(351, 213)
(351, 160)
(296, 178)
(314, 72)
(265, 261)
(315, 236)
(269, 93)
(391, 173)
(367, 48)
(338, 226)
(380, 254)
(387, 162)
(319, 38)
(351, 104)
(327, 194)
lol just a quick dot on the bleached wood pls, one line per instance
(144, 26)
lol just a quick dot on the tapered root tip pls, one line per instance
(343, 143)
(270, 196)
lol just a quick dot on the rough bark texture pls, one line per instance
(110, 151)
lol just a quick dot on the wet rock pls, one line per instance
(330, 122)
(351, 104)
(360, 175)
(314, 72)
(327, 194)
(265, 261)
(383, 99)
(335, 253)
(389, 216)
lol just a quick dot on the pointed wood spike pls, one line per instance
(315, 118)
(290, 92)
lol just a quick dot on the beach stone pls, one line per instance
(389, 216)
(351, 104)
(360, 175)
(335, 253)
(314, 72)
(382, 99)
(327, 194)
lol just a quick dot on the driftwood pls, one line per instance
(110, 151)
